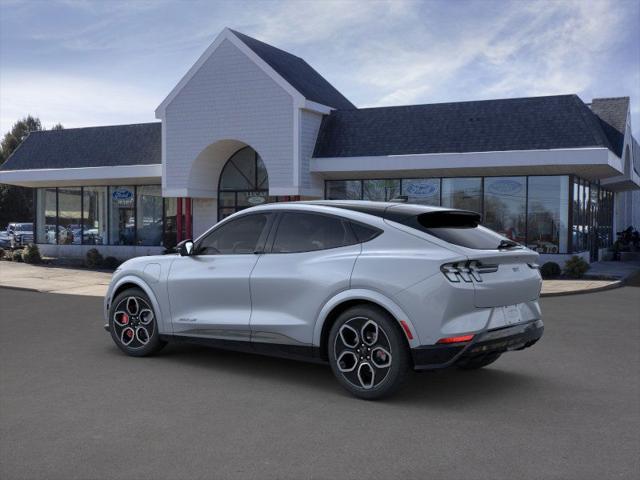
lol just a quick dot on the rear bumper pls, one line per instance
(515, 337)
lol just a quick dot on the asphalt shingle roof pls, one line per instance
(298, 73)
(551, 122)
(138, 144)
(612, 113)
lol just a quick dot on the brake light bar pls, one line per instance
(458, 339)
(467, 271)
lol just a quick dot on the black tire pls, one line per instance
(385, 380)
(128, 324)
(479, 361)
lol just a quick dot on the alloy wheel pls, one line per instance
(133, 322)
(363, 352)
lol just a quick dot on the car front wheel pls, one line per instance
(133, 324)
(368, 353)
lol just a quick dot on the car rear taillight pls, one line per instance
(467, 271)
(407, 330)
(458, 339)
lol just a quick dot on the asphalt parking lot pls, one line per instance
(73, 407)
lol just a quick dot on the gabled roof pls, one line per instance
(292, 73)
(298, 73)
(551, 122)
(612, 113)
(137, 144)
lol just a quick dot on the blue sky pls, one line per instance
(84, 63)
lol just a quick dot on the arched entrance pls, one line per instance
(244, 182)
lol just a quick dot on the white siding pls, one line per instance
(229, 97)
(311, 184)
(205, 215)
(627, 209)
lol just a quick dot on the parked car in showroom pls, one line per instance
(375, 290)
(19, 234)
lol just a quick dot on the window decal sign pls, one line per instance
(122, 194)
(505, 187)
(422, 188)
(256, 200)
(123, 197)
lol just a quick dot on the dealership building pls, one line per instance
(250, 123)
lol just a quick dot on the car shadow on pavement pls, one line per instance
(449, 389)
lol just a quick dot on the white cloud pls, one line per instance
(385, 52)
(305, 22)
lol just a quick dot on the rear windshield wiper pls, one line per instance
(507, 244)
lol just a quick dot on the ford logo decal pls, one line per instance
(122, 194)
(256, 200)
(421, 189)
(505, 187)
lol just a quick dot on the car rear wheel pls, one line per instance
(133, 324)
(368, 353)
(479, 361)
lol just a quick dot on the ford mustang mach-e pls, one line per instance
(374, 289)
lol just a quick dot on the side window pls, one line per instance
(236, 237)
(364, 233)
(306, 232)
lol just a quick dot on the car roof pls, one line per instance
(395, 211)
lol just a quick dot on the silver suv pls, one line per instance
(374, 289)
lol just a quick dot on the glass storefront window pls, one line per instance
(70, 216)
(543, 225)
(105, 216)
(584, 214)
(605, 218)
(547, 215)
(149, 215)
(343, 190)
(424, 191)
(46, 215)
(463, 193)
(94, 215)
(122, 222)
(380, 190)
(243, 183)
(505, 200)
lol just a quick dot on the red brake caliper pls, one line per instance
(125, 319)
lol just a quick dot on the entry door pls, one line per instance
(209, 290)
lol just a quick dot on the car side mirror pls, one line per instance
(185, 248)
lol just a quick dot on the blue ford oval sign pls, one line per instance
(122, 194)
(421, 189)
(505, 187)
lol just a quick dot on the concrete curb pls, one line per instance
(26, 289)
(611, 286)
(57, 292)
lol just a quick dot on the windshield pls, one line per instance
(24, 227)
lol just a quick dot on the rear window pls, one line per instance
(460, 228)
(364, 233)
